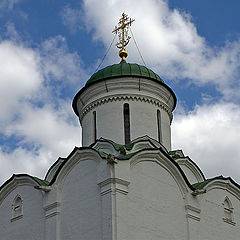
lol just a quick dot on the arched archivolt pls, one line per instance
(72, 160)
(172, 168)
(192, 167)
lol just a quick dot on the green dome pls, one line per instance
(123, 69)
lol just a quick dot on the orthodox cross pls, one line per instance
(122, 31)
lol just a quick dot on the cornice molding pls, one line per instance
(52, 210)
(123, 97)
(114, 185)
(113, 181)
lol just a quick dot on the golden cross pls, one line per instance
(122, 31)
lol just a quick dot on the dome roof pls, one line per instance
(123, 69)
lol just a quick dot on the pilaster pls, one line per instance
(52, 215)
(114, 207)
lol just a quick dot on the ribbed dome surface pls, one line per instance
(123, 69)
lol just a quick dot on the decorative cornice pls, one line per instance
(52, 206)
(193, 212)
(192, 217)
(52, 210)
(193, 209)
(114, 185)
(113, 180)
(16, 218)
(129, 97)
(226, 220)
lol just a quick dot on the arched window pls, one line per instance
(228, 211)
(159, 126)
(17, 208)
(126, 116)
(94, 126)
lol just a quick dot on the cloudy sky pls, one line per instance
(49, 49)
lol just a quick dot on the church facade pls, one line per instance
(125, 182)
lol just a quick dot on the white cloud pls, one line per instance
(209, 135)
(42, 124)
(20, 77)
(169, 42)
(47, 132)
(46, 126)
(60, 64)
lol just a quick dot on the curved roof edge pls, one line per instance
(11, 183)
(178, 155)
(39, 181)
(197, 186)
(122, 157)
(204, 184)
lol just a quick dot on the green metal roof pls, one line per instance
(41, 182)
(123, 69)
(201, 185)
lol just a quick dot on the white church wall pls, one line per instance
(81, 203)
(156, 205)
(110, 122)
(212, 225)
(143, 120)
(29, 224)
(166, 130)
(87, 130)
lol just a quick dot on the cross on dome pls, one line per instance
(122, 31)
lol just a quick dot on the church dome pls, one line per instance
(123, 69)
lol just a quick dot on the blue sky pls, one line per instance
(49, 49)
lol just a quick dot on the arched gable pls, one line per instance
(77, 155)
(226, 184)
(168, 164)
(21, 208)
(191, 170)
(16, 180)
(53, 169)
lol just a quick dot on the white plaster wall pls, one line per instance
(110, 122)
(211, 225)
(31, 225)
(156, 205)
(87, 130)
(166, 130)
(81, 203)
